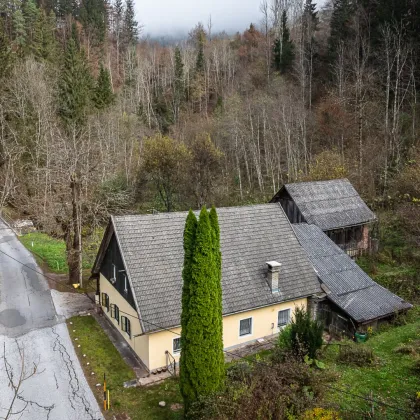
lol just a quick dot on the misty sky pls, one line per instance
(168, 17)
(162, 17)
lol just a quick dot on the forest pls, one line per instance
(97, 119)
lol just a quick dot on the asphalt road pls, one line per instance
(34, 341)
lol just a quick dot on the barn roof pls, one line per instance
(152, 250)
(329, 204)
(350, 287)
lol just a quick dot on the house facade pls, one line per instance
(266, 275)
(335, 207)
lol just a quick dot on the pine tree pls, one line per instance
(103, 95)
(45, 43)
(283, 51)
(75, 87)
(131, 27)
(203, 373)
(189, 243)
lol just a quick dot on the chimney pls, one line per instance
(273, 275)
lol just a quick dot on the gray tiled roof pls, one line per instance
(152, 248)
(330, 204)
(351, 288)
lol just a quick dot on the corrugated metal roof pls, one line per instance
(152, 248)
(351, 288)
(330, 204)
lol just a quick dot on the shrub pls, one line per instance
(302, 337)
(416, 367)
(281, 391)
(355, 354)
(405, 349)
(320, 414)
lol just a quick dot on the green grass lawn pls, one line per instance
(141, 403)
(390, 379)
(52, 251)
(47, 250)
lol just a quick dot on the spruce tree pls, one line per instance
(340, 26)
(189, 243)
(75, 85)
(199, 65)
(103, 95)
(283, 48)
(179, 82)
(131, 27)
(203, 374)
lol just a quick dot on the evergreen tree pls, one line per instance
(203, 373)
(45, 43)
(93, 16)
(19, 32)
(179, 82)
(283, 48)
(340, 25)
(131, 27)
(217, 306)
(5, 52)
(189, 243)
(103, 95)
(199, 65)
(75, 87)
(31, 15)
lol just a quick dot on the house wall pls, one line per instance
(263, 321)
(289, 206)
(139, 343)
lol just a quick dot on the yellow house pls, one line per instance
(265, 276)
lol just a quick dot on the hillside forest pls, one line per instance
(97, 119)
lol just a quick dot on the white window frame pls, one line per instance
(125, 284)
(173, 347)
(114, 268)
(280, 327)
(252, 327)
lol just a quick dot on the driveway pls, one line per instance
(34, 341)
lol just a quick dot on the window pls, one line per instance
(125, 325)
(125, 284)
(245, 327)
(114, 271)
(284, 318)
(115, 312)
(105, 301)
(176, 345)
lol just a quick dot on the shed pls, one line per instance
(352, 293)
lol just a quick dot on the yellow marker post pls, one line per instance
(104, 392)
(109, 402)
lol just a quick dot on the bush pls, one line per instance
(320, 414)
(280, 391)
(355, 354)
(405, 349)
(416, 367)
(302, 337)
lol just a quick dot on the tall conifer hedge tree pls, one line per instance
(202, 364)
(189, 241)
